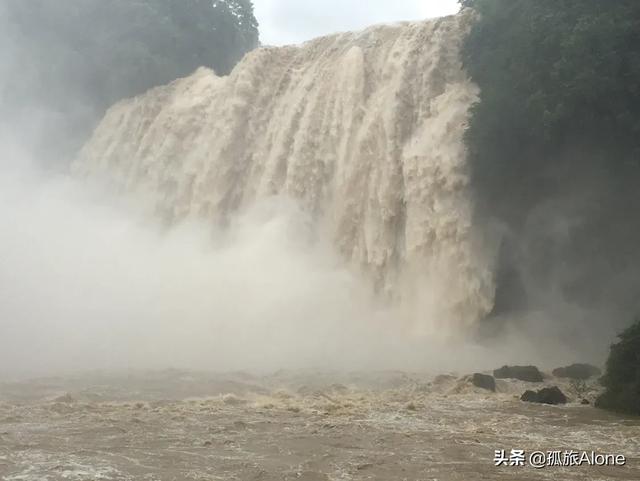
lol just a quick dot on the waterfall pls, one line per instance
(364, 130)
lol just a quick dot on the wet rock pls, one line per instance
(547, 395)
(529, 396)
(577, 371)
(484, 381)
(585, 401)
(523, 373)
(552, 395)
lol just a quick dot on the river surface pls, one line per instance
(175, 425)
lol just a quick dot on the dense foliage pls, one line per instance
(554, 146)
(622, 378)
(65, 61)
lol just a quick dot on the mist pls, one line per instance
(88, 281)
(91, 280)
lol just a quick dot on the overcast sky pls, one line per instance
(294, 21)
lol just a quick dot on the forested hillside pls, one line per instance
(64, 62)
(555, 151)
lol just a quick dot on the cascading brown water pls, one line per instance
(363, 129)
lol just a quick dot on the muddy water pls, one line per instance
(295, 426)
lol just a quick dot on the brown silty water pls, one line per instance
(175, 425)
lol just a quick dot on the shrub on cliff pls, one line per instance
(622, 376)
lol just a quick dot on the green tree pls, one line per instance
(65, 61)
(622, 377)
(554, 143)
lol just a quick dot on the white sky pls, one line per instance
(294, 21)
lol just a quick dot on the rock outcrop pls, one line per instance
(577, 371)
(484, 381)
(523, 373)
(547, 395)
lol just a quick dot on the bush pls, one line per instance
(622, 376)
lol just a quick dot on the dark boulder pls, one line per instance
(577, 371)
(585, 401)
(484, 381)
(547, 395)
(529, 396)
(523, 373)
(551, 395)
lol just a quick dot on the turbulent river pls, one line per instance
(294, 425)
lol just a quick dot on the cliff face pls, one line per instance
(363, 129)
